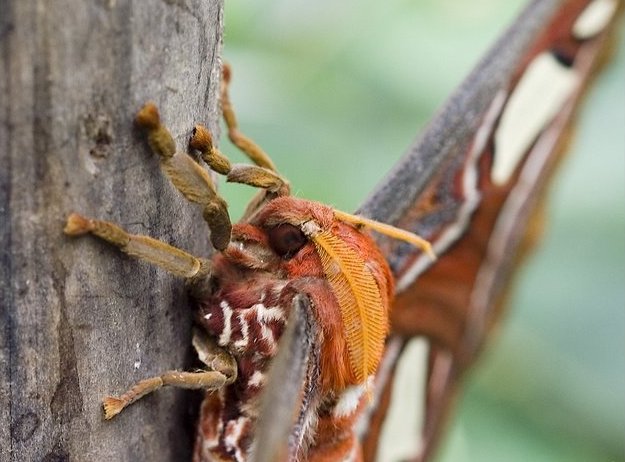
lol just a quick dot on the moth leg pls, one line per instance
(187, 176)
(262, 175)
(223, 372)
(245, 144)
(210, 380)
(252, 175)
(214, 356)
(172, 259)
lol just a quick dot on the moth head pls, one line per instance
(330, 256)
(307, 242)
(313, 244)
(297, 240)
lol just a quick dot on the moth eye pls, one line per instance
(286, 239)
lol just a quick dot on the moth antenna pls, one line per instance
(388, 230)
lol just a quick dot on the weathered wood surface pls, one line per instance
(77, 321)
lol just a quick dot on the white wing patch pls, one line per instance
(405, 417)
(540, 94)
(595, 17)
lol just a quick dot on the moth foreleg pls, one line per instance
(172, 259)
(187, 176)
(252, 175)
(245, 144)
(262, 175)
(214, 356)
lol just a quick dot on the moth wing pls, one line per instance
(291, 395)
(452, 189)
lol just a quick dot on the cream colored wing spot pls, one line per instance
(595, 17)
(404, 424)
(537, 98)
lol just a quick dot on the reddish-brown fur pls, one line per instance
(254, 289)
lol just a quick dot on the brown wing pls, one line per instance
(471, 185)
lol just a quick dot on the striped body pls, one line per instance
(253, 290)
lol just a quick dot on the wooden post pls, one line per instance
(78, 320)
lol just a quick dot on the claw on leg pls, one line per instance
(253, 175)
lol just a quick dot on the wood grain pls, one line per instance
(78, 320)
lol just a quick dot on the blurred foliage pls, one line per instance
(336, 91)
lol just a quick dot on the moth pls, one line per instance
(478, 180)
(285, 255)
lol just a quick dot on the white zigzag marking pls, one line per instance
(242, 343)
(256, 379)
(233, 435)
(224, 338)
(264, 314)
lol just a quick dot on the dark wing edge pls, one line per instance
(290, 397)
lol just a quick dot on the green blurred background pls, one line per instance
(336, 91)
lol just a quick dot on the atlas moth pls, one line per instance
(477, 184)
(285, 253)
